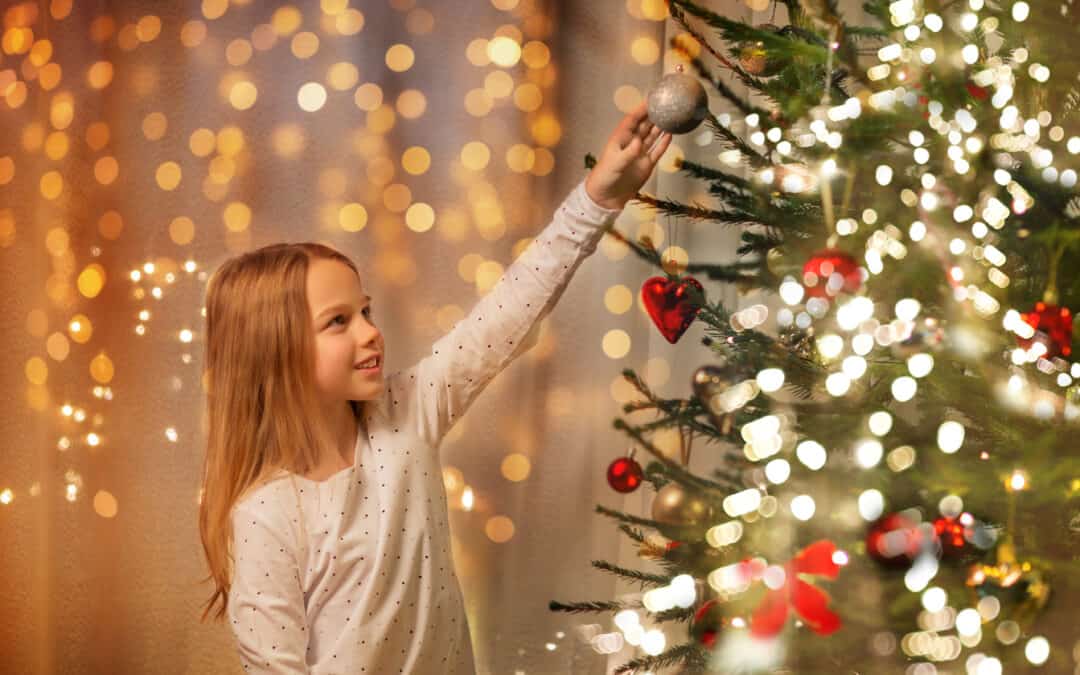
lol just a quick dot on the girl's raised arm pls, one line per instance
(439, 389)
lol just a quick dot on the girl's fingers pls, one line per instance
(660, 148)
(630, 124)
(623, 133)
(653, 134)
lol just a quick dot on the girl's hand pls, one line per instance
(627, 160)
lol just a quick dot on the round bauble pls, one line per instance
(896, 539)
(1053, 329)
(677, 103)
(757, 59)
(624, 474)
(830, 271)
(675, 506)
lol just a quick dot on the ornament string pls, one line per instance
(678, 15)
(1006, 552)
(826, 187)
(1050, 295)
(686, 445)
(849, 188)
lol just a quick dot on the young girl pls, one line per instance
(323, 513)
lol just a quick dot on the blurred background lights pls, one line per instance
(871, 505)
(868, 453)
(311, 96)
(880, 423)
(934, 599)
(812, 454)
(920, 365)
(950, 436)
(1018, 480)
(904, 388)
(770, 379)
(837, 384)
(802, 507)
(1037, 650)
(777, 471)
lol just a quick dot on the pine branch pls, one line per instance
(636, 535)
(643, 250)
(679, 210)
(729, 273)
(632, 575)
(677, 472)
(688, 654)
(758, 242)
(732, 140)
(596, 606)
(737, 31)
(725, 91)
(675, 614)
(678, 16)
(708, 173)
(733, 273)
(673, 532)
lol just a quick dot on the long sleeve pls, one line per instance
(266, 599)
(462, 362)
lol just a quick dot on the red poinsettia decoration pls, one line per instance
(809, 602)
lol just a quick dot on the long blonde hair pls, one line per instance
(259, 378)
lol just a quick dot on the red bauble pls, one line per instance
(894, 540)
(976, 91)
(952, 535)
(707, 623)
(1053, 328)
(668, 304)
(624, 474)
(830, 271)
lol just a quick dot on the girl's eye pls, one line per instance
(367, 312)
(334, 320)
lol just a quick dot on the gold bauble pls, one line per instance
(1021, 587)
(774, 260)
(713, 387)
(674, 506)
(758, 60)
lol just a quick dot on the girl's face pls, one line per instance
(345, 336)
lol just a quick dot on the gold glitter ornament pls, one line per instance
(756, 59)
(1021, 588)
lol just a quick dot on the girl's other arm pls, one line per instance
(463, 361)
(266, 600)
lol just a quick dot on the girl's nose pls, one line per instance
(369, 336)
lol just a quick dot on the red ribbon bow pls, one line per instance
(810, 602)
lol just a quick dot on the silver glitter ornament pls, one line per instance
(678, 103)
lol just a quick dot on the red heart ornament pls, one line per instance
(668, 303)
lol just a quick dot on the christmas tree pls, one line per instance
(893, 480)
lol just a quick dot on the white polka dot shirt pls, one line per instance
(354, 574)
